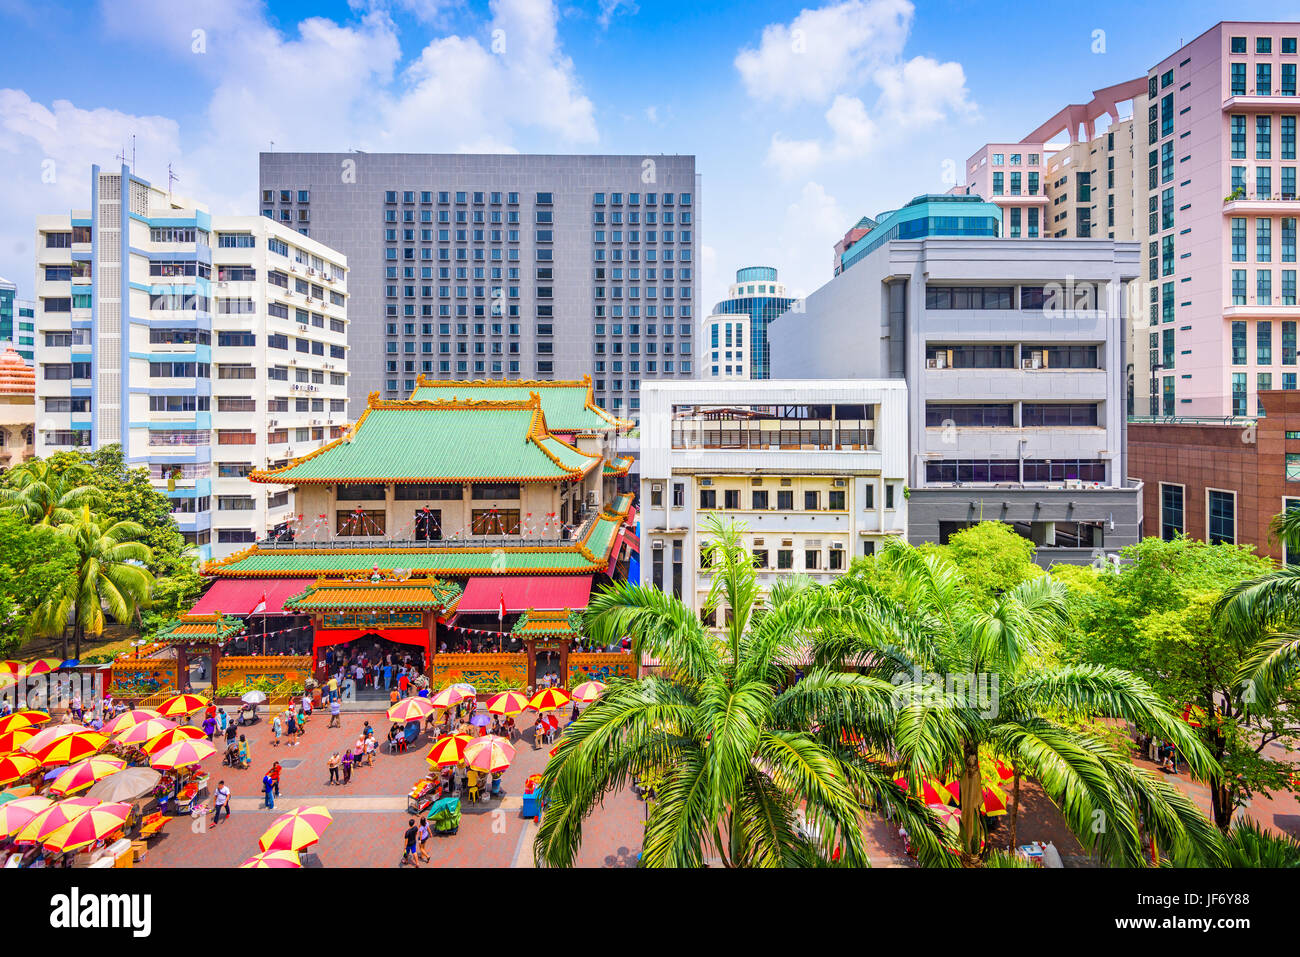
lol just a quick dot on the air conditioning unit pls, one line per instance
(656, 488)
(292, 268)
(932, 363)
(309, 299)
(706, 482)
(310, 271)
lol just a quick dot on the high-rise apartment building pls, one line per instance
(1013, 352)
(207, 346)
(467, 266)
(735, 332)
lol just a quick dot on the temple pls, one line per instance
(464, 526)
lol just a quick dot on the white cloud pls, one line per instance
(609, 9)
(821, 52)
(923, 92)
(809, 229)
(853, 134)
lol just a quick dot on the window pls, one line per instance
(1171, 511)
(495, 521)
(758, 499)
(708, 498)
(359, 522)
(1221, 511)
(835, 500)
(811, 501)
(785, 558)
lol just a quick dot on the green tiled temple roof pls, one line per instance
(422, 594)
(199, 628)
(568, 406)
(441, 441)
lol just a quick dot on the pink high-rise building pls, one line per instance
(1220, 150)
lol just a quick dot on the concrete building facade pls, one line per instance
(1013, 352)
(814, 470)
(207, 346)
(735, 342)
(473, 266)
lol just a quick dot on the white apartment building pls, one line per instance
(814, 469)
(206, 345)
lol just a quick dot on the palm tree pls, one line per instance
(913, 622)
(109, 573)
(747, 767)
(44, 497)
(1268, 606)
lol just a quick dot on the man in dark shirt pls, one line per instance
(411, 833)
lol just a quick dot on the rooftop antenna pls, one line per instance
(171, 178)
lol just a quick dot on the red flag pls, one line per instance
(501, 610)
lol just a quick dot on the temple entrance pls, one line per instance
(371, 665)
(199, 675)
(548, 669)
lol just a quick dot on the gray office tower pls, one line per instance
(475, 266)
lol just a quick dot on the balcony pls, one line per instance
(1279, 203)
(1256, 103)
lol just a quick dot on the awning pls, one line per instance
(239, 596)
(542, 592)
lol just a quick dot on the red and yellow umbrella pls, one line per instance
(11, 741)
(69, 748)
(507, 702)
(992, 804)
(588, 691)
(182, 704)
(446, 698)
(47, 735)
(448, 751)
(85, 829)
(129, 719)
(55, 816)
(15, 814)
(301, 827)
(23, 719)
(83, 774)
(16, 766)
(555, 748)
(270, 859)
(410, 709)
(144, 732)
(491, 753)
(42, 666)
(549, 700)
(182, 754)
(11, 668)
(170, 736)
(932, 792)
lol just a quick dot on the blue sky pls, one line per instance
(802, 118)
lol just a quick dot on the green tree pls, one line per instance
(938, 643)
(33, 559)
(109, 572)
(1155, 617)
(44, 495)
(991, 556)
(737, 752)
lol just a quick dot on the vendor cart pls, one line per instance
(422, 796)
(532, 804)
(444, 815)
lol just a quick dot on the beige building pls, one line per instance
(17, 409)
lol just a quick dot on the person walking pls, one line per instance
(333, 765)
(268, 786)
(231, 733)
(370, 752)
(409, 842)
(275, 776)
(291, 728)
(244, 757)
(422, 835)
(335, 708)
(222, 720)
(221, 801)
(347, 767)
(276, 728)
(209, 727)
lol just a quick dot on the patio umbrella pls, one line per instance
(446, 698)
(125, 785)
(129, 719)
(949, 817)
(301, 827)
(52, 733)
(993, 802)
(85, 829)
(11, 667)
(466, 689)
(15, 814)
(79, 776)
(410, 709)
(69, 748)
(11, 741)
(931, 791)
(169, 737)
(480, 720)
(588, 691)
(555, 749)
(507, 702)
(145, 731)
(253, 697)
(448, 751)
(491, 754)
(549, 699)
(15, 766)
(182, 704)
(42, 666)
(269, 859)
(51, 819)
(182, 754)
(13, 794)
(23, 719)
